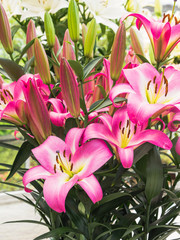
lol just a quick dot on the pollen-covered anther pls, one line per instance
(135, 129)
(70, 157)
(166, 16)
(123, 130)
(154, 79)
(148, 85)
(54, 168)
(156, 86)
(120, 125)
(176, 21)
(129, 132)
(64, 153)
(166, 90)
(71, 167)
(127, 124)
(57, 159)
(61, 168)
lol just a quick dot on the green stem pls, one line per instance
(146, 227)
(53, 223)
(76, 50)
(98, 105)
(85, 108)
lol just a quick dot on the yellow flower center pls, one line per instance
(126, 133)
(6, 97)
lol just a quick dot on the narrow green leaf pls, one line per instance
(57, 233)
(8, 127)
(102, 104)
(143, 59)
(154, 175)
(76, 66)
(25, 49)
(92, 64)
(112, 197)
(28, 64)
(12, 184)
(28, 221)
(131, 229)
(22, 155)
(137, 236)
(102, 90)
(6, 145)
(13, 70)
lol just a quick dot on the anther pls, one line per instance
(55, 168)
(166, 90)
(129, 133)
(176, 21)
(120, 125)
(154, 79)
(71, 167)
(57, 160)
(135, 129)
(123, 130)
(127, 124)
(148, 85)
(61, 168)
(9, 94)
(64, 153)
(70, 157)
(156, 88)
(57, 151)
(165, 80)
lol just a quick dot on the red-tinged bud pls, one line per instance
(5, 31)
(136, 43)
(56, 50)
(84, 31)
(41, 60)
(49, 29)
(30, 35)
(69, 88)
(68, 51)
(118, 52)
(90, 39)
(73, 20)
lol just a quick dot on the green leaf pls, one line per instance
(176, 156)
(13, 70)
(29, 64)
(70, 123)
(6, 145)
(154, 175)
(25, 49)
(57, 233)
(92, 64)
(12, 184)
(8, 127)
(105, 103)
(21, 157)
(137, 236)
(102, 90)
(143, 59)
(14, 30)
(76, 66)
(28, 221)
(131, 229)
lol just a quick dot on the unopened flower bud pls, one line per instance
(5, 31)
(49, 29)
(73, 20)
(69, 88)
(56, 49)
(84, 31)
(118, 52)
(42, 64)
(90, 39)
(68, 51)
(30, 35)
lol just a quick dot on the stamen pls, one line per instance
(10, 94)
(154, 79)
(176, 21)
(61, 168)
(123, 130)
(127, 124)
(71, 167)
(2, 98)
(57, 160)
(165, 80)
(70, 157)
(64, 153)
(120, 125)
(57, 151)
(135, 129)
(166, 90)
(148, 85)
(129, 133)
(55, 168)
(156, 88)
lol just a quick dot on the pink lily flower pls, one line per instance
(124, 136)
(163, 36)
(64, 164)
(150, 93)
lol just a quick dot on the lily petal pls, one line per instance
(92, 187)
(126, 156)
(73, 138)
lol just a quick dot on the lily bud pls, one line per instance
(5, 31)
(56, 49)
(42, 64)
(90, 39)
(118, 52)
(136, 43)
(84, 31)
(73, 20)
(69, 88)
(49, 29)
(68, 51)
(30, 35)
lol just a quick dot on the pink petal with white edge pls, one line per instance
(92, 187)
(56, 188)
(126, 156)
(155, 137)
(73, 138)
(46, 152)
(177, 148)
(118, 89)
(35, 173)
(90, 157)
